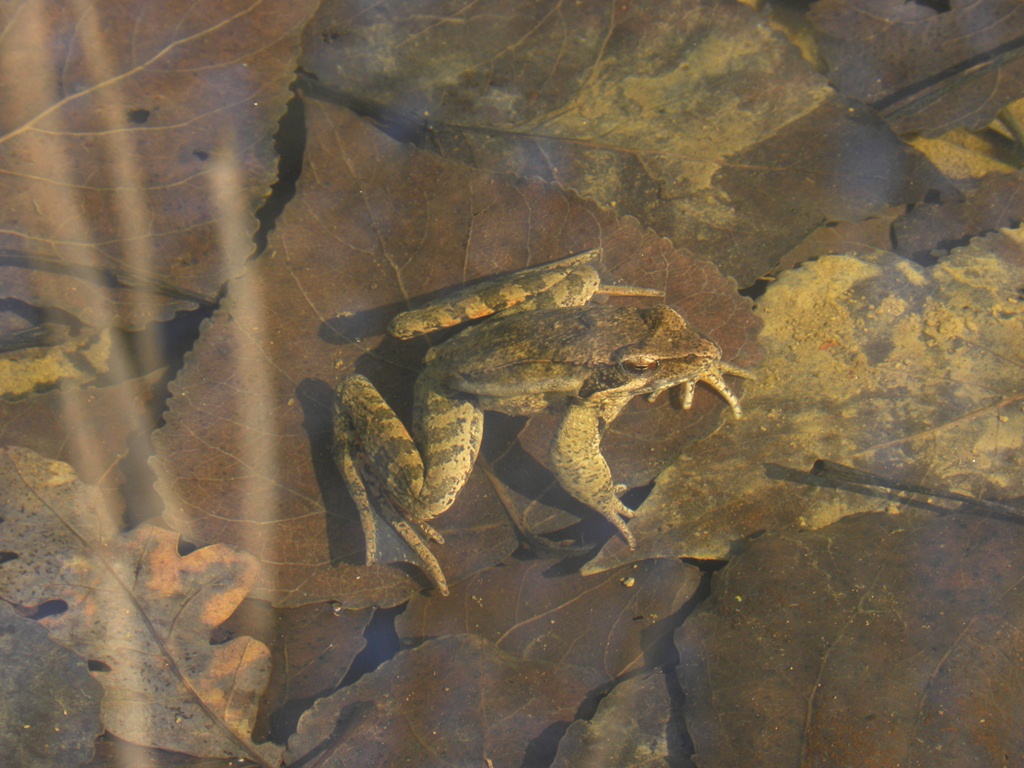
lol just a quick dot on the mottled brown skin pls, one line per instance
(542, 350)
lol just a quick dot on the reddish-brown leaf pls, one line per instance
(376, 227)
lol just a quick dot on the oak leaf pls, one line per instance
(139, 611)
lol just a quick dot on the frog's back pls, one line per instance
(582, 337)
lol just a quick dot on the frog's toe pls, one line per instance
(428, 562)
(614, 514)
(630, 539)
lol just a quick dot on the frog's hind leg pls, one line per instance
(568, 282)
(372, 446)
(347, 456)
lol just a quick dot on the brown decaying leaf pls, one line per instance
(924, 68)
(694, 117)
(312, 652)
(861, 237)
(50, 708)
(456, 700)
(135, 146)
(376, 227)
(138, 608)
(636, 726)
(907, 372)
(538, 611)
(879, 641)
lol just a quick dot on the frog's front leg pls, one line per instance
(581, 468)
(418, 476)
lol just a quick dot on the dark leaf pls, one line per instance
(453, 701)
(866, 236)
(878, 641)
(536, 611)
(312, 652)
(997, 202)
(50, 708)
(924, 67)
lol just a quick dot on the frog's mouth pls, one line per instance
(712, 376)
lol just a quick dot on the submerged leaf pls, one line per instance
(927, 67)
(539, 612)
(138, 609)
(881, 640)
(135, 147)
(50, 708)
(636, 726)
(453, 701)
(692, 115)
(911, 373)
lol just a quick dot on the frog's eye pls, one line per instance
(640, 365)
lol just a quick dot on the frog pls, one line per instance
(538, 345)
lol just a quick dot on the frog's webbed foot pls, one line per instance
(389, 479)
(402, 527)
(349, 459)
(582, 470)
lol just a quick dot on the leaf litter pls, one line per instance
(695, 117)
(817, 159)
(117, 159)
(880, 640)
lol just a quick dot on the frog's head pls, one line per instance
(672, 354)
